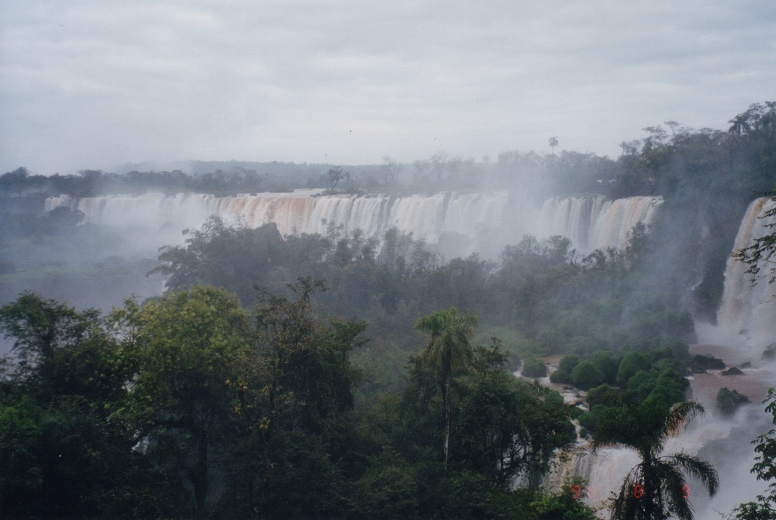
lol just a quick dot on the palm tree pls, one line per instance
(447, 349)
(553, 143)
(655, 488)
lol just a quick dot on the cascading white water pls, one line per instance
(590, 223)
(303, 211)
(748, 311)
(716, 440)
(594, 223)
(746, 323)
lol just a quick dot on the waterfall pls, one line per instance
(60, 200)
(710, 437)
(482, 222)
(303, 211)
(749, 311)
(594, 223)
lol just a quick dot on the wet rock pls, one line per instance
(701, 362)
(732, 371)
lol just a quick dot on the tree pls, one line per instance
(765, 468)
(65, 449)
(505, 427)
(553, 141)
(655, 488)
(295, 388)
(336, 174)
(447, 349)
(42, 329)
(180, 394)
(391, 169)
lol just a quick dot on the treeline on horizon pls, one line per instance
(706, 177)
(667, 160)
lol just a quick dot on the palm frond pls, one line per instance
(698, 469)
(673, 491)
(625, 506)
(680, 414)
(616, 426)
(450, 332)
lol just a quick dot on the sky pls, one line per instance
(96, 84)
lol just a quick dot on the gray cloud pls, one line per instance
(93, 84)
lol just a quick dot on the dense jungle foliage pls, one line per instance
(190, 406)
(302, 377)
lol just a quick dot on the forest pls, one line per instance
(341, 376)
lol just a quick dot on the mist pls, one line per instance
(572, 181)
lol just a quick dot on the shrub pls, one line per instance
(560, 377)
(575, 411)
(534, 367)
(728, 400)
(585, 375)
(607, 363)
(679, 349)
(590, 419)
(569, 362)
(670, 387)
(553, 398)
(640, 384)
(630, 364)
(550, 339)
(603, 394)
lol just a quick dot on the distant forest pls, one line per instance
(671, 159)
(707, 178)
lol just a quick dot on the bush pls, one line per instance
(607, 363)
(641, 384)
(728, 400)
(534, 367)
(583, 345)
(553, 398)
(603, 394)
(560, 377)
(630, 364)
(679, 349)
(569, 362)
(590, 419)
(585, 375)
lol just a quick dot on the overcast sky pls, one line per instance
(95, 84)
